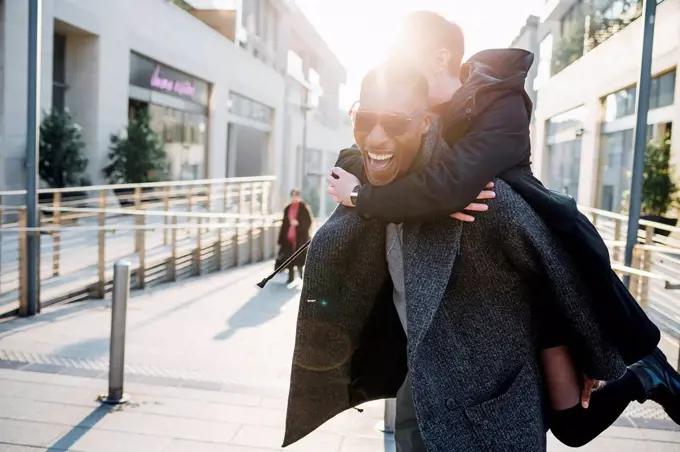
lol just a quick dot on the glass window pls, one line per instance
(666, 89)
(564, 164)
(615, 168)
(622, 103)
(59, 85)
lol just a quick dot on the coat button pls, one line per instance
(450, 404)
(468, 111)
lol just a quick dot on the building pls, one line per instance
(586, 69)
(226, 83)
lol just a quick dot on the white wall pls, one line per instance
(153, 28)
(613, 65)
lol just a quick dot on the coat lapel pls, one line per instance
(430, 250)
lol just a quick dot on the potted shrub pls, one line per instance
(62, 162)
(658, 188)
(136, 156)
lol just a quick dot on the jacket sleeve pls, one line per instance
(537, 256)
(284, 227)
(496, 141)
(351, 161)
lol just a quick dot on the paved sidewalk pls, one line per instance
(208, 363)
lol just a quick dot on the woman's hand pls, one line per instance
(587, 389)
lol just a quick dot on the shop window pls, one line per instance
(59, 86)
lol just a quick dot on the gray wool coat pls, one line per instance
(471, 350)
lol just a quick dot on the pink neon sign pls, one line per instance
(182, 88)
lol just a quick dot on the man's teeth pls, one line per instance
(376, 156)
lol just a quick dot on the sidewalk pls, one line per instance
(208, 362)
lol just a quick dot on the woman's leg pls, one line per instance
(570, 422)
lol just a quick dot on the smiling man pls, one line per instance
(405, 314)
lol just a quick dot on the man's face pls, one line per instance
(388, 128)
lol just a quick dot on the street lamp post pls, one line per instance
(642, 108)
(32, 136)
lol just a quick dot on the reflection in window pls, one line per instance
(563, 141)
(622, 103)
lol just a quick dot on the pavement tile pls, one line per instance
(31, 410)
(265, 437)
(244, 415)
(107, 441)
(353, 444)
(179, 445)
(169, 427)
(54, 379)
(29, 433)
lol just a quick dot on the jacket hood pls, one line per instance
(499, 64)
(488, 76)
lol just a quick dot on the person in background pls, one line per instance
(295, 231)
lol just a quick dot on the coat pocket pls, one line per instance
(513, 420)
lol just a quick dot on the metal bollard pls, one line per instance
(121, 293)
(387, 425)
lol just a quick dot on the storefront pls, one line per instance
(178, 104)
(249, 132)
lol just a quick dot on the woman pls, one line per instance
(295, 232)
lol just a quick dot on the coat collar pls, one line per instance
(430, 250)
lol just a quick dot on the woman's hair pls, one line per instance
(295, 192)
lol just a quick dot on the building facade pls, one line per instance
(225, 83)
(586, 69)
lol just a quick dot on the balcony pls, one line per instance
(567, 50)
(598, 25)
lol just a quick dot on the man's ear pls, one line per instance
(425, 125)
(442, 58)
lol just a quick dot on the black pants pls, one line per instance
(574, 427)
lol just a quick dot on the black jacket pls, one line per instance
(486, 123)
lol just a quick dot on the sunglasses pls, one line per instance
(394, 124)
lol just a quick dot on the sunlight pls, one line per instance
(361, 31)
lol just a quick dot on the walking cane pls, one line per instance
(299, 251)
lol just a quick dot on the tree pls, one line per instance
(62, 161)
(658, 188)
(136, 155)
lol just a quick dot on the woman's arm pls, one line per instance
(497, 141)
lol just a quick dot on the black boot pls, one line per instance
(661, 383)
(291, 275)
(300, 271)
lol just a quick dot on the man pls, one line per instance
(471, 354)
(486, 122)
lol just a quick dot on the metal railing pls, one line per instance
(654, 272)
(168, 231)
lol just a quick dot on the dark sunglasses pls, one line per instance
(394, 124)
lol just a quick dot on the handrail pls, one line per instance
(143, 212)
(267, 221)
(621, 217)
(227, 180)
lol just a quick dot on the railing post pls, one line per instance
(646, 266)
(389, 417)
(190, 205)
(138, 206)
(635, 279)
(23, 265)
(172, 264)
(617, 237)
(199, 245)
(141, 234)
(56, 235)
(166, 208)
(101, 246)
(121, 294)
